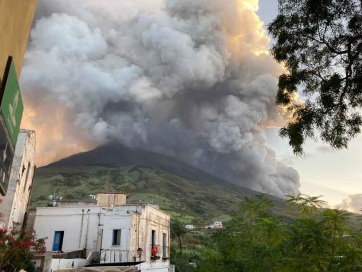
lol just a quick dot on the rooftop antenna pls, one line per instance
(54, 200)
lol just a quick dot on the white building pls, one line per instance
(16, 201)
(215, 225)
(117, 231)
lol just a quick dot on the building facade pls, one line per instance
(15, 23)
(114, 231)
(16, 201)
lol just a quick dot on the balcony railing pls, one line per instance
(165, 252)
(155, 252)
(113, 256)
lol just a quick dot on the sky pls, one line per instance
(333, 174)
(189, 79)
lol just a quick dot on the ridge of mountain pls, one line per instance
(119, 155)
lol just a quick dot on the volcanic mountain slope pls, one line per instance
(180, 189)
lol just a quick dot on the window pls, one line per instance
(164, 245)
(116, 238)
(58, 240)
(153, 237)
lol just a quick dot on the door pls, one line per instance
(58, 240)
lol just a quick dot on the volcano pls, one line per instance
(177, 187)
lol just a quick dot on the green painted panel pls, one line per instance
(12, 104)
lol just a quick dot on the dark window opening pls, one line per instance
(164, 245)
(116, 238)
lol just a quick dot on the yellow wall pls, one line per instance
(16, 17)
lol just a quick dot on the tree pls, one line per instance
(306, 205)
(256, 240)
(322, 239)
(251, 241)
(178, 231)
(17, 248)
(320, 43)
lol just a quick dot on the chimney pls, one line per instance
(111, 199)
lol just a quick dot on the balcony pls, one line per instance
(114, 256)
(158, 251)
(155, 252)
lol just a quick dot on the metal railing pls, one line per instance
(114, 256)
(165, 252)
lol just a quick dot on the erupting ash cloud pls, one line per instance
(187, 78)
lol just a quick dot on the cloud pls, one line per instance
(352, 203)
(324, 149)
(191, 79)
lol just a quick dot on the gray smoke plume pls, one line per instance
(187, 78)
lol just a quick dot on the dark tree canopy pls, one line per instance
(320, 43)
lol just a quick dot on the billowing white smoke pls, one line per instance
(352, 203)
(187, 78)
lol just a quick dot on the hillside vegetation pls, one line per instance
(183, 191)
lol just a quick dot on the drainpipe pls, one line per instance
(137, 239)
(86, 233)
(81, 229)
(100, 250)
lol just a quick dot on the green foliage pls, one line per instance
(256, 240)
(306, 205)
(184, 262)
(17, 248)
(320, 43)
(178, 231)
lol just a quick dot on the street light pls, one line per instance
(139, 252)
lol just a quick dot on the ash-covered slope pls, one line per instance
(117, 155)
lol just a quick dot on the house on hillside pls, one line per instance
(215, 225)
(108, 232)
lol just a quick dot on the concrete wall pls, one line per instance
(16, 17)
(15, 202)
(67, 263)
(89, 227)
(116, 219)
(92, 228)
(80, 226)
